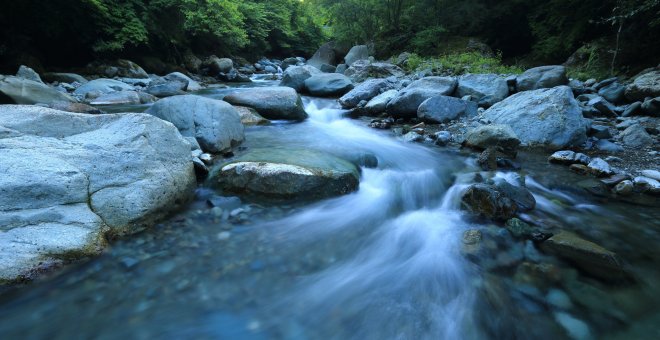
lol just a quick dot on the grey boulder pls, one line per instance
(65, 78)
(443, 109)
(70, 181)
(365, 91)
(215, 124)
(549, 118)
(295, 76)
(102, 86)
(408, 100)
(117, 98)
(646, 85)
(328, 84)
(24, 91)
(287, 174)
(359, 52)
(29, 74)
(362, 70)
(487, 89)
(324, 55)
(542, 77)
(276, 102)
(379, 103)
(493, 135)
(178, 76)
(635, 136)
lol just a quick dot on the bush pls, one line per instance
(460, 63)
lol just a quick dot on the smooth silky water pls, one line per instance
(385, 262)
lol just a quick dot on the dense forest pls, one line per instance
(529, 32)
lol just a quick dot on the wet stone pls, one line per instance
(598, 167)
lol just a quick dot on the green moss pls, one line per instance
(461, 63)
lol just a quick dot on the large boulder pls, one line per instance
(102, 86)
(65, 78)
(324, 55)
(70, 181)
(407, 101)
(295, 76)
(542, 77)
(379, 103)
(29, 74)
(287, 174)
(328, 84)
(359, 52)
(166, 88)
(493, 135)
(276, 102)
(362, 70)
(646, 85)
(129, 69)
(635, 136)
(486, 89)
(487, 201)
(117, 98)
(215, 124)
(180, 77)
(366, 91)
(24, 91)
(549, 118)
(443, 109)
(219, 65)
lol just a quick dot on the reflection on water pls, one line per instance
(387, 261)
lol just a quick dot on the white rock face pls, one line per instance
(69, 180)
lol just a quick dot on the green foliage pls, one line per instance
(167, 28)
(460, 63)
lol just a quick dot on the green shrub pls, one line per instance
(461, 63)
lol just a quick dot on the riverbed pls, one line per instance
(388, 261)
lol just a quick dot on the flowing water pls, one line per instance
(386, 262)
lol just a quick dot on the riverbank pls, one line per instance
(336, 215)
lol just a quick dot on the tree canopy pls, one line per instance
(71, 31)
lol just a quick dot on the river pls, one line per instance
(386, 262)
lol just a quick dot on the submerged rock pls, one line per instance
(214, 123)
(587, 255)
(250, 117)
(270, 102)
(287, 174)
(547, 117)
(69, 180)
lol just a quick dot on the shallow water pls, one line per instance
(387, 261)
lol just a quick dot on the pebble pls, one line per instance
(223, 236)
(599, 167)
(653, 174)
(576, 328)
(624, 188)
(559, 299)
(613, 159)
